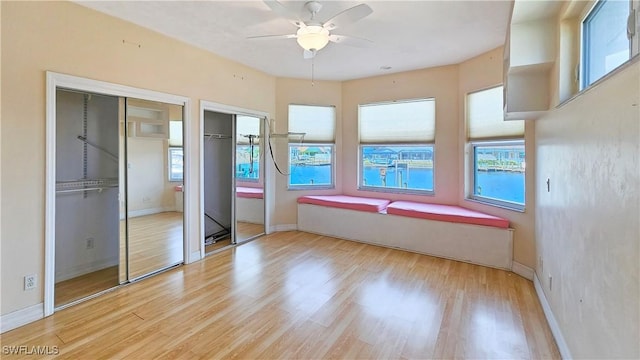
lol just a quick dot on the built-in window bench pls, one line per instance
(445, 231)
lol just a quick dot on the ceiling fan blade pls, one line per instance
(273, 37)
(351, 41)
(348, 17)
(282, 11)
(309, 54)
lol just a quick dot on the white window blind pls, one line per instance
(175, 133)
(486, 117)
(398, 122)
(245, 126)
(317, 122)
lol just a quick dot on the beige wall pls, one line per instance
(68, 38)
(297, 91)
(588, 234)
(440, 83)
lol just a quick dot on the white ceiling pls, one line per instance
(408, 35)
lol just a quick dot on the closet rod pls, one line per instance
(84, 140)
(99, 189)
(217, 136)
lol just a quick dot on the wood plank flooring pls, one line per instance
(298, 295)
(85, 285)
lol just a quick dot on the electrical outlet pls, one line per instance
(146, 199)
(30, 282)
(90, 242)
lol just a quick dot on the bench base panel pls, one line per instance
(476, 244)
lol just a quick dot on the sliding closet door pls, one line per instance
(154, 172)
(249, 175)
(86, 216)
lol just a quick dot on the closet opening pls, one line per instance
(233, 168)
(115, 187)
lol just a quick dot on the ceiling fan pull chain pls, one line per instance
(313, 62)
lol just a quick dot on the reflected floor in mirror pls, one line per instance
(245, 230)
(299, 295)
(155, 242)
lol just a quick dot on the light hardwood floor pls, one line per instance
(298, 295)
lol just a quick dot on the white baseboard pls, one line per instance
(551, 319)
(150, 211)
(283, 227)
(195, 256)
(21, 317)
(522, 270)
(75, 271)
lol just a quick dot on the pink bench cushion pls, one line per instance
(249, 192)
(445, 213)
(347, 202)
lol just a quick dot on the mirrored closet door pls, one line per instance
(154, 173)
(249, 177)
(119, 199)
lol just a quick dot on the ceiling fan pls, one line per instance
(312, 35)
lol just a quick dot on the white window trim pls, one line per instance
(470, 183)
(634, 44)
(393, 190)
(314, 186)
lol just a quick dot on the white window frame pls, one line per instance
(323, 141)
(312, 186)
(471, 183)
(489, 135)
(633, 27)
(397, 190)
(431, 144)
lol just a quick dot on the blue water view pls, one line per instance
(504, 185)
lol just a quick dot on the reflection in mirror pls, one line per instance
(249, 166)
(154, 168)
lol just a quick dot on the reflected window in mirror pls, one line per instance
(248, 148)
(176, 153)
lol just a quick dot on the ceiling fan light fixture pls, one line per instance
(312, 37)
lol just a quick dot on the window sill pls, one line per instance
(498, 204)
(397, 191)
(310, 187)
(612, 73)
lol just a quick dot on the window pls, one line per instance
(247, 148)
(176, 162)
(605, 44)
(396, 146)
(311, 159)
(497, 155)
